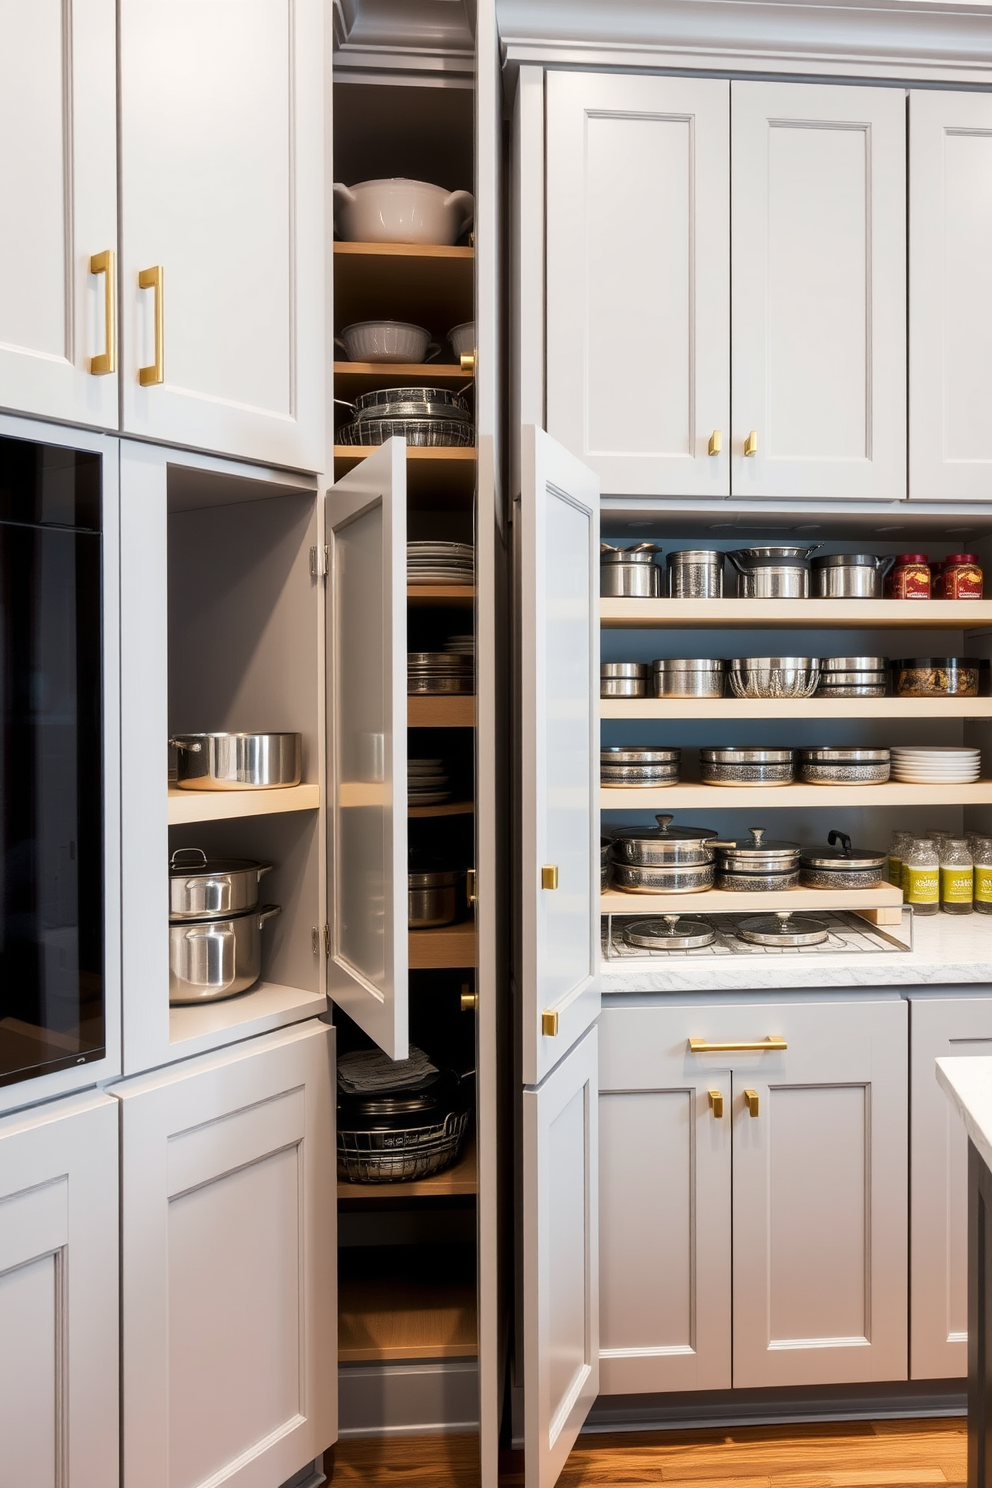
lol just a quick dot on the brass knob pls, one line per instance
(467, 363)
(549, 1025)
(469, 1000)
(549, 876)
(716, 1102)
(751, 443)
(751, 1099)
(716, 442)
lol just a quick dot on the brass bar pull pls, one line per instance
(742, 1046)
(716, 442)
(106, 263)
(751, 1100)
(716, 1102)
(549, 1025)
(751, 443)
(152, 279)
(549, 876)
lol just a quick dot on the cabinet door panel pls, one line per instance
(561, 1264)
(950, 296)
(58, 1296)
(558, 556)
(228, 1218)
(222, 183)
(58, 184)
(938, 1312)
(366, 698)
(819, 314)
(638, 314)
(820, 1243)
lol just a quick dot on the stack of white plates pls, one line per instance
(427, 782)
(920, 766)
(460, 645)
(440, 563)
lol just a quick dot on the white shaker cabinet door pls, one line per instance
(223, 226)
(560, 1260)
(638, 280)
(58, 185)
(950, 296)
(227, 1244)
(818, 222)
(557, 553)
(368, 965)
(938, 1220)
(820, 1196)
(58, 1296)
(664, 1214)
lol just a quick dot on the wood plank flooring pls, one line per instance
(863, 1454)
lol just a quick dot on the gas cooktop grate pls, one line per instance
(849, 935)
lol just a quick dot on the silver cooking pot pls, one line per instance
(753, 854)
(432, 899)
(202, 888)
(664, 845)
(237, 761)
(210, 959)
(772, 573)
(629, 573)
(849, 575)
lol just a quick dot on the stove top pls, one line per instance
(850, 935)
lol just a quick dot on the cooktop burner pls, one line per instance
(849, 935)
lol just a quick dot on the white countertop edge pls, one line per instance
(967, 1083)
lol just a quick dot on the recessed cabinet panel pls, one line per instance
(950, 284)
(58, 184)
(638, 358)
(819, 318)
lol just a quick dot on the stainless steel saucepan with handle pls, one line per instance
(237, 761)
(210, 959)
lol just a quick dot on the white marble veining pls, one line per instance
(947, 950)
(968, 1084)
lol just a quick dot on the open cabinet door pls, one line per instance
(368, 957)
(558, 565)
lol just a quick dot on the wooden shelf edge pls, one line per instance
(735, 710)
(348, 1355)
(186, 806)
(428, 372)
(463, 593)
(447, 948)
(692, 796)
(843, 614)
(727, 901)
(401, 250)
(444, 452)
(447, 808)
(427, 711)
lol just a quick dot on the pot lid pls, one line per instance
(782, 929)
(689, 664)
(843, 855)
(638, 754)
(853, 663)
(192, 862)
(669, 933)
(763, 557)
(665, 831)
(643, 553)
(847, 560)
(847, 756)
(623, 669)
(756, 848)
(735, 754)
(960, 558)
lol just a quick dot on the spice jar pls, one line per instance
(962, 577)
(897, 847)
(981, 853)
(957, 877)
(909, 577)
(921, 876)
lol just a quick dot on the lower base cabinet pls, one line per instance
(229, 1314)
(753, 1225)
(58, 1296)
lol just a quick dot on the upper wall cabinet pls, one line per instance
(818, 288)
(638, 285)
(950, 281)
(221, 265)
(58, 184)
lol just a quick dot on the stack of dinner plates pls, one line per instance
(427, 782)
(921, 766)
(440, 563)
(439, 671)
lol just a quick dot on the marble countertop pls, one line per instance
(968, 1084)
(947, 950)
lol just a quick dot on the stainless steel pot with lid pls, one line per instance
(202, 888)
(664, 845)
(643, 553)
(849, 575)
(843, 866)
(629, 573)
(772, 573)
(755, 854)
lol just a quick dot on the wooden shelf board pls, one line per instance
(690, 614)
(206, 806)
(267, 1005)
(442, 454)
(397, 1318)
(352, 378)
(454, 711)
(450, 946)
(459, 595)
(428, 284)
(430, 251)
(446, 808)
(460, 1179)
(734, 709)
(692, 796)
(716, 901)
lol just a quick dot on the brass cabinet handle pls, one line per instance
(471, 886)
(742, 1046)
(152, 279)
(549, 876)
(716, 442)
(467, 363)
(751, 443)
(751, 1101)
(468, 1000)
(716, 1102)
(106, 263)
(549, 1025)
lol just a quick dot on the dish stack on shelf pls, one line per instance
(920, 766)
(440, 563)
(428, 783)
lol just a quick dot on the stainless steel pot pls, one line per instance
(678, 879)
(623, 679)
(744, 766)
(238, 761)
(842, 866)
(650, 847)
(694, 573)
(698, 676)
(845, 766)
(772, 573)
(629, 573)
(210, 959)
(755, 854)
(849, 575)
(773, 676)
(432, 899)
(202, 888)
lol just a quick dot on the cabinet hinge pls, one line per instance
(321, 936)
(327, 940)
(318, 562)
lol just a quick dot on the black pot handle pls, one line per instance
(834, 837)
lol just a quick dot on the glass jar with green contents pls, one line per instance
(981, 852)
(957, 877)
(897, 847)
(921, 876)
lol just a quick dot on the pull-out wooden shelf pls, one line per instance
(207, 806)
(695, 797)
(450, 946)
(456, 710)
(819, 614)
(460, 596)
(731, 709)
(727, 901)
(458, 1181)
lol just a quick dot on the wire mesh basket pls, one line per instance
(400, 1156)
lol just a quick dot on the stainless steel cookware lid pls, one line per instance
(755, 849)
(774, 663)
(669, 933)
(665, 831)
(783, 929)
(192, 862)
(734, 754)
(635, 669)
(681, 556)
(846, 560)
(640, 556)
(772, 557)
(843, 855)
(853, 663)
(689, 664)
(846, 756)
(440, 880)
(638, 754)
(410, 394)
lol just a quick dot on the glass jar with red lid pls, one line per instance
(962, 576)
(909, 577)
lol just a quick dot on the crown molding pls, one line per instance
(401, 33)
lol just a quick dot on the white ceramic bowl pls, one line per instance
(462, 338)
(395, 210)
(386, 341)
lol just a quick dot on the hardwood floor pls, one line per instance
(868, 1454)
